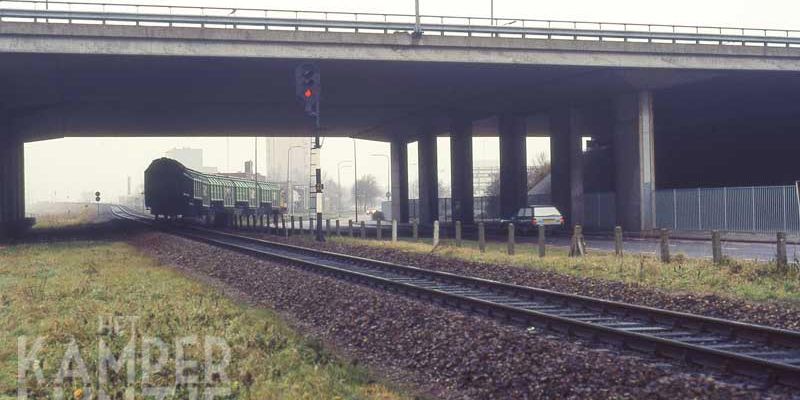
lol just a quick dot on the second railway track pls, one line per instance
(764, 353)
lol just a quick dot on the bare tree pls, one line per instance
(334, 196)
(368, 191)
(539, 170)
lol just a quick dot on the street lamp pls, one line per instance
(388, 174)
(417, 25)
(339, 167)
(355, 179)
(290, 190)
(255, 175)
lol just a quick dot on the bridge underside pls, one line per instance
(684, 126)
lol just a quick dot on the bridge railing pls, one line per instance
(275, 19)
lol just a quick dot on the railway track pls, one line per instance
(763, 353)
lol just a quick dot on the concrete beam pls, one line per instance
(241, 43)
(461, 170)
(568, 128)
(513, 163)
(428, 178)
(182, 119)
(634, 159)
(399, 157)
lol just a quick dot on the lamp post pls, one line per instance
(355, 179)
(339, 167)
(290, 190)
(417, 25)
(255, 175)
(388, 174)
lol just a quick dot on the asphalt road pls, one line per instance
(689, 248)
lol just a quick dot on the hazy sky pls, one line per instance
(52, 167)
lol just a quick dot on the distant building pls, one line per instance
(277, 162)
(191, 158)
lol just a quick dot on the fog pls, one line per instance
(72, 169)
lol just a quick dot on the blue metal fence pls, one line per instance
(599, 211)
(734, 209)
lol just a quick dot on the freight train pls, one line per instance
(173, 191)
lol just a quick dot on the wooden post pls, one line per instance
(716, 247)
(541, 241)
(328, 226)
(665, 258)
(378, 230)
(481, 237)
(394, 231)
(618, 241)
(350, 225)
(291, 224)
(283, 225)
(310, 226)
(577, 247)
(458, 233)
(781, 259)
(510, 239)
(338, 230)
(363, 230)
(435, 233)
(415, 230)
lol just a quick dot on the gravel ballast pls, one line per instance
(763, 313)
(440, 352)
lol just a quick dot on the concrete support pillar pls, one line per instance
(513, 173)
(461, 170)
(567, 163)
(634, 161)
(399, 156)
(12, 184)
(428, 179)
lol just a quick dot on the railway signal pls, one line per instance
(308, 87)
(97, 199)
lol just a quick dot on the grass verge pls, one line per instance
(84, 292)
(742, 279)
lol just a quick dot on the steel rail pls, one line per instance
(746, 349)
(542, 29)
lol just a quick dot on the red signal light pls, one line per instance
(308, 93)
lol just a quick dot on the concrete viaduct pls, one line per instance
(70, 73)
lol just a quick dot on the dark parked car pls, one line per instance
(528, 219)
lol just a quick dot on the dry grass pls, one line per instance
(742, 279)
(66, 215)
(60, 291)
